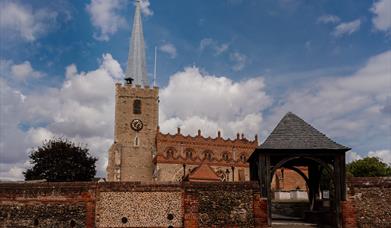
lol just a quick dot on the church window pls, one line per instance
(208, 155)
(137, 106)
(189, 154)
(243, 158)
(170, 153)
(225, 156)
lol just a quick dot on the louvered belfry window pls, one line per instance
(137, 107)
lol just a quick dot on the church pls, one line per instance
(141, 152)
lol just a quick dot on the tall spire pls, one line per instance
(136, 70)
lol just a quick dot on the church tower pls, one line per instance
(136, 116)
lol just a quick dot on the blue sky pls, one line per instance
(246, 62)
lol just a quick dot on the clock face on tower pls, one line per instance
(137, 125)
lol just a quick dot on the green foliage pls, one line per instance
(368, 167)
(61, 160)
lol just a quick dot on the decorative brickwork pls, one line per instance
(178, 152)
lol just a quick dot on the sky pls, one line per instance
(228, 65)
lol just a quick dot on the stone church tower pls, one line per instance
(136, 116)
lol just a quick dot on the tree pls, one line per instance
(368, 167)
(61, 160)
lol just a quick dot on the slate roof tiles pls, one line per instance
(294, 133)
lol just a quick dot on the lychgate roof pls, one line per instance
(294, 133)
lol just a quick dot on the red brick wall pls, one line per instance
(290, 180)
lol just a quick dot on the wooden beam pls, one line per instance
(268, 192)
(337, 186)
(343, 177)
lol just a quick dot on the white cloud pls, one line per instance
(217, 47)
(24, 70)
(38, 135)
(82, 109)
(328, 18)
(169, 49)
(384, 155)
(105, 17)
(193, 101)
(239, 60)
(346, 28)
(352, 156)
(345, 107)
(382, 17)
(17, 20)
(145, 8)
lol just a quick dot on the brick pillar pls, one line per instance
(348, 214)
(90, 214)
(260, 210)
(89, 200)
(190, 210)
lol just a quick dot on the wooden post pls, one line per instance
(268, 193)
(343, 176)
(262, 174)
(337, 186)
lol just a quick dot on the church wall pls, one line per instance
(173, 152)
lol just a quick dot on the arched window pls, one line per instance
(225, 156)
(170, 152)
(208, 155)
(243, 158)
(137, 106)
(189, 154)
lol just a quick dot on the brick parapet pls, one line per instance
(221, 186)
(48, 191)
(139, 186)
(367, 182)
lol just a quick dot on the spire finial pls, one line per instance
(136, 58)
